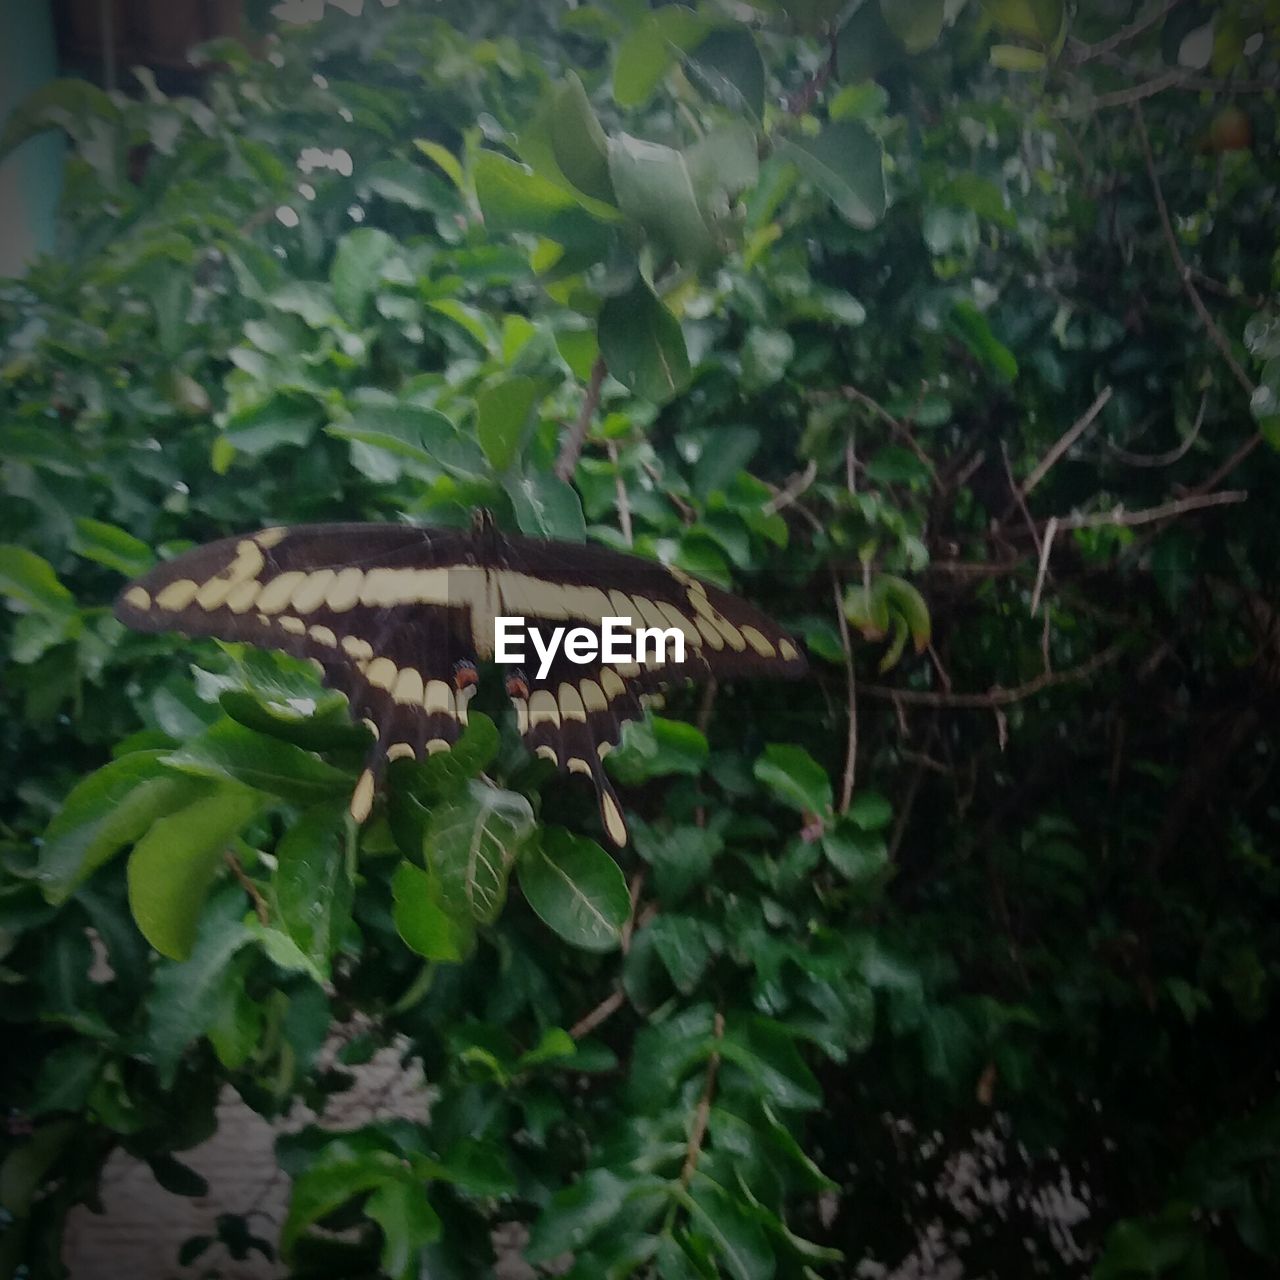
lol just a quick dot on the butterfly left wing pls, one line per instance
(383, 610)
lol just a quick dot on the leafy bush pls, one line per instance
(936, 329)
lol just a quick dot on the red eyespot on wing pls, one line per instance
(465, 674)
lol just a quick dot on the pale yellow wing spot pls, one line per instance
(603, 749)
(522, 714)
(547, 753)
(362, 797)
(408, 687)
(649, 612)
(593, 698)
(241, 597)
(611, 683)
(311, 591)
(613, 820)
(138, 598)
(788, 650)
(381, 673)
(437, 698)
(463, 697)
(268, 538)
(294, 626)
(759, 642)
(275, 595)
(400, 751)
(344, 590)
(571, 704)
(437, 745)
(576, 764)
(543, 708)
(709, 633)
(621, 605)
(674, 618)
(177, 595)
(730, 633)
(354, 647)
(324, 636)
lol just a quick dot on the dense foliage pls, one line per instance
(941, 330)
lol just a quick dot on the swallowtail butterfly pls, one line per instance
(397, 617)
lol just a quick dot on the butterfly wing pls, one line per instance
(383, 610)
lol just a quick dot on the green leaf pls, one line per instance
(422, 921)
(576, 888)
(504, 416)
(655, 748)
(175, 1177)
(870, 811)
(846, 162)
(515, 199)
(795, 778)
(580, 147)
(681, 944)
(229, 751)
(29, 580)
(408, 1222)
(681, 857)
(472, 843)
(312, 883)
(737, 1239)
(109, 809)
(546, 506)
(642, 344)
(405, 183)
(187, 997)
(765, 357)
(974, 330)
(109, 545)
(174, 865)
(917, 23)
(579, 1213)
(766, 1050)
(357, 264)
(445, 158)
(651, 48)
(728, 66)
(285, 419)
(860, 856)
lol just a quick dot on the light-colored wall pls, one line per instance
(30, 178)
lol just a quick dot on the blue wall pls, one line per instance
(30, 178)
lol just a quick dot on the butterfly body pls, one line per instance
(397, 617)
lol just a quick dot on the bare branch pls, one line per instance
(604, 1010)
(621, 500)
(1066, 440)
(1166, 510)
(571, 449)
(1080, 53)
(1218, 338)
(259, 902)
(1050, 532)
(898, 428)
(1170, 456)
(792, 490)
(996, 697)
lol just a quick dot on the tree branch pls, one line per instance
(571, 449)
(995, 697)
(259, 902)
(698, 1133)
(851, 683)
(1065, 441)
(1081, 53)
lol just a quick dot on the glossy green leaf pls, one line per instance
(846, 162)
(504, 417)
(737, 1239)
(174, 865)
(917, 23)
(422, 921)
(515, 199)
(578, 141)
(651, 49)
(472, 844)
(795, 778)
(109, 545)
(656, 747)
(974, 330)
(357, 263)
(312, 882)
(642, 344)
(284, 419)
(29, 580)
(728, 66)
(546, 506)
(576, 888)
(109, 809)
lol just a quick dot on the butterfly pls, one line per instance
(398, 617)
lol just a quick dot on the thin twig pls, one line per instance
(1176, 79)
(792, 490)
(996, 697)
(1019, 498)
(851, 684)
(571, 449)
(1050, 531)
(604, 1010)
(1170, 456)
(622, 502)
(1079, 53)
(1066, 440)
(1216, 336)
(1129, 519)
(259, 902)
(898, 428)
(698, 1133)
